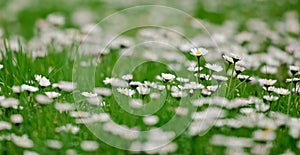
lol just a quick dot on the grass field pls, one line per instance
(193, 77)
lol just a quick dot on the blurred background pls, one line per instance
(21, 16)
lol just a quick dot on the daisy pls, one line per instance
(135, 84)
(127, 77)
(68, 128)
(198, 52)
(88, 94)
(239, 69)
(52, 94)
(214, 67)
(10, 103)
(25, 87)
(267, 82)
(1, 66)
(63, 107)
(245, 77)
(5, 125)
(294, 80)
(143, 90)
(294, 69)
(126, 91)
(282, 91)
(43, 99)
(151, 120)
(22, 141)
(103, 91)
(136, 103)
(65, 86)
(16, 118)
(179, 94)
(43, 81)
(89, 145)
(54, 144)
(232, 59)
(167, 77)
(270, 98)
(220, 78)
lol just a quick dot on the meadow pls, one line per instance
(139, 77)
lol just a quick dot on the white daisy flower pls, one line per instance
(52, 94)
(126, 91)
(178, 94)
(22, 141)
(68, 128)
(5, 125)
(167, 77)
(135, 84)
(214, 67)
(127, 77)
(10, 103)
(1, 66)
(43, 81)
(43, 99)
(54, 144)
(151, 120)
(65, 86)
(143, 90)
(89, 145)
(16, 118)
(220, 78)
(103, 91)
(282, 91)
(136, 103)
(88, 94)
(25, 87)
(239, 69)
(270, 98)
(267, 82)
(63, 107)
(198, 52)
(294, 69)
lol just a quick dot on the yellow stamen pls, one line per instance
(198, 52)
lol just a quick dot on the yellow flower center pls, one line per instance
(198, 52)
(230, 59)
(268, 82)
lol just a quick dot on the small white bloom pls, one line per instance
(62, 107)
(150, 120)
(52, 94)
(43, 99)
(89, 145)
(143, 90)
(198, 52)
(214, 67)
(43, 81)
(25, 87)
(5, 125)
(267, 82)
(10, 103)
(22, 141)
(126, 91)
(167, 77)
(282, 91)
(54, 144)
(136, 103)
(270, 98)
(127, 77)
(88, 94)
(16, 118)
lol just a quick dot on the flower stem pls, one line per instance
(198, 69)
(231, 79)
